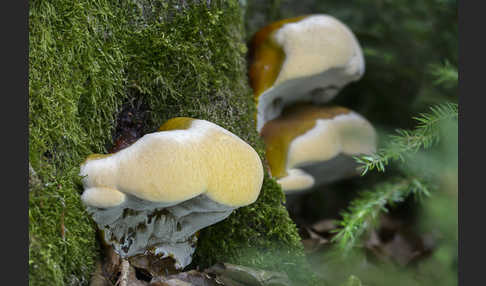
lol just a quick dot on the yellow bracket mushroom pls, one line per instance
(307, 58)
(310, 145)
(154, 195)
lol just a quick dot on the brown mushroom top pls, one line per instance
(295, 121)
(266, 56)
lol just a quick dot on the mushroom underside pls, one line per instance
(167, 230)
(339, 167)
(319, 88)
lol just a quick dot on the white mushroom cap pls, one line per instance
(175, 165)
(156, 193)
(102, 197)
(310, 145)
(302, 59)
(296, 180)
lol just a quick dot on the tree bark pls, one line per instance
(89, 63)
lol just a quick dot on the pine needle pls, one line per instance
(363, 212)
(446, 74)
(405, 142)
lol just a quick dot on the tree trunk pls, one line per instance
(89, 63)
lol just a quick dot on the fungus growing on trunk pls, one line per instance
(307, 58)
(153, 196)
(310, 145)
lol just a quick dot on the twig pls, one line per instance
(125, 267)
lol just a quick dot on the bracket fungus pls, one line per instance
(153, 196)
(307, 58)
(310, 145)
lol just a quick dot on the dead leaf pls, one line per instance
(238, 274)
(313, 241)
(188, 278)
(154, 265)
(324, 226)
(393, 241)
(98, 279)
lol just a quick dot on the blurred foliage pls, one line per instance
(401, 40)
(446, 74)
(428, 164)
(409, 93)
(352, 281)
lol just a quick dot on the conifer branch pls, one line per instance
(363, 212)
(445, 74)
(406, 142)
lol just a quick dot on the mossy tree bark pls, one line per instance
(178, 58)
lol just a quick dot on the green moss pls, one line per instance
(62, 248)
(76, 85)
(86, 60)
(195, 67)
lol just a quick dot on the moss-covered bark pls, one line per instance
(181, 58)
